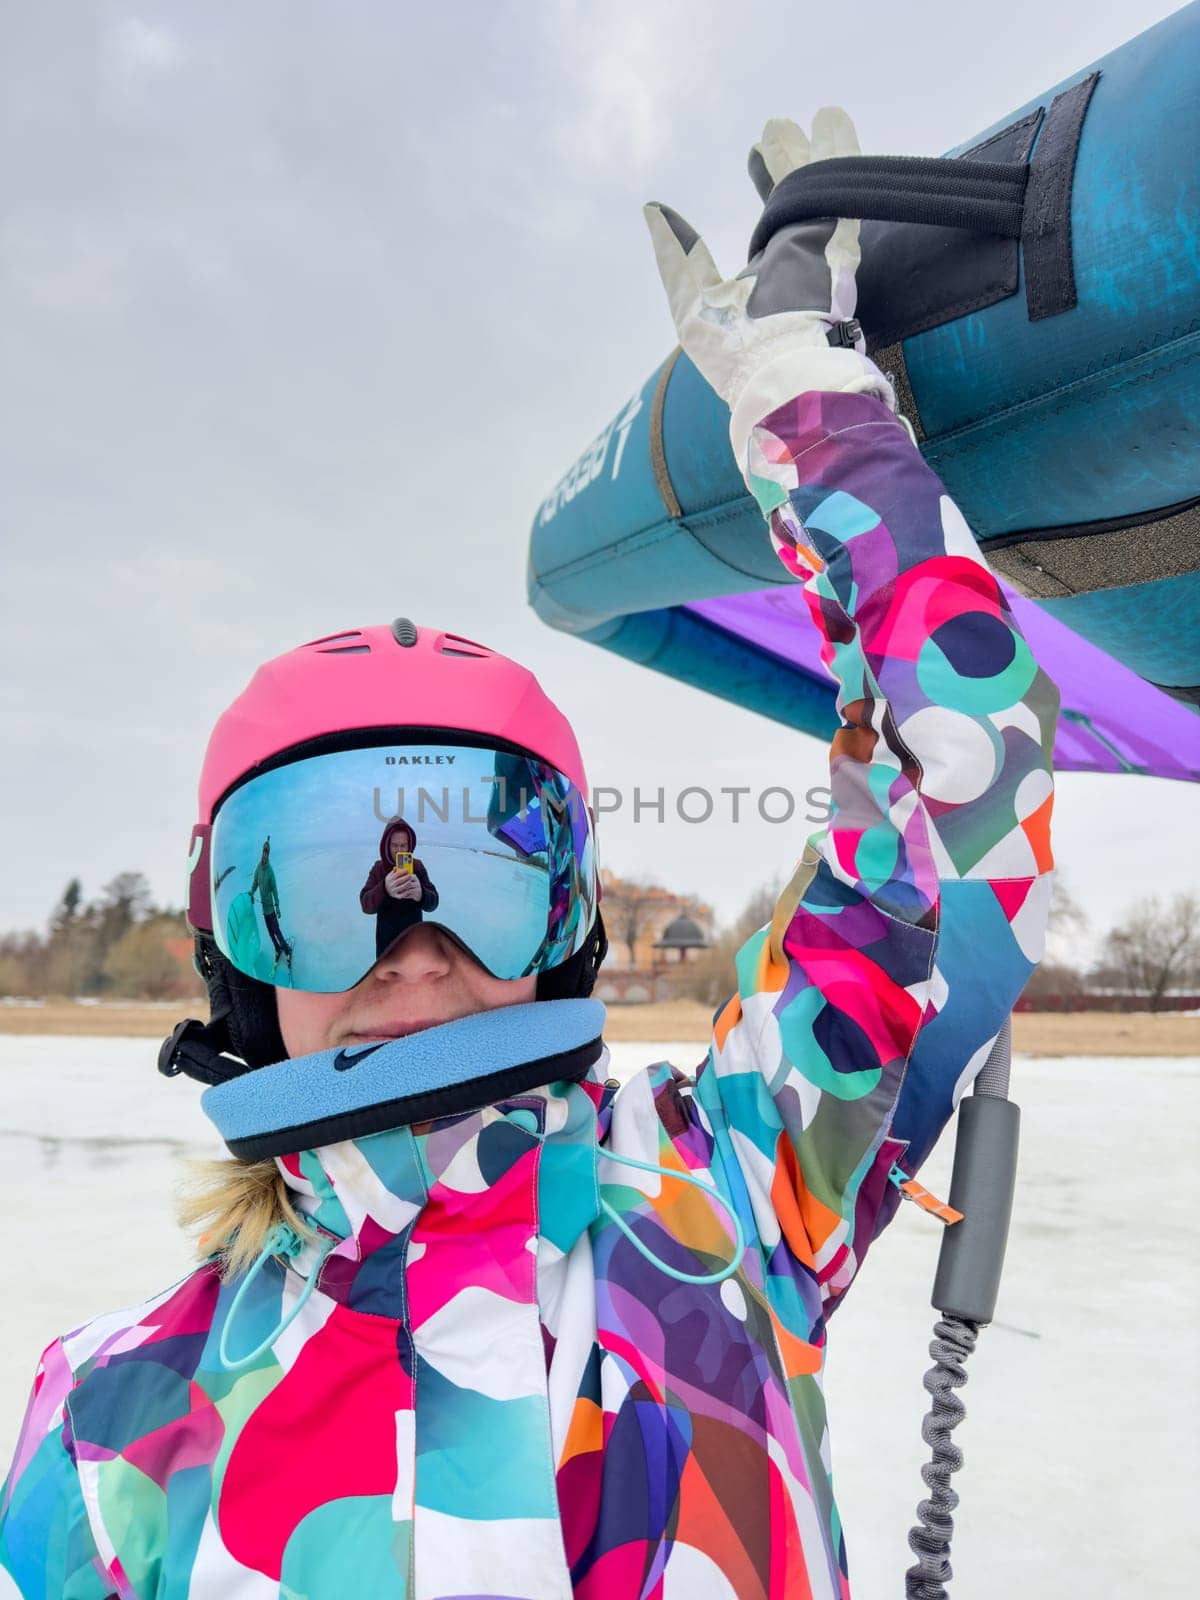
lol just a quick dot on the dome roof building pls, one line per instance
(682, 934)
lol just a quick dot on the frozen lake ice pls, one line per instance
(1082, 1435)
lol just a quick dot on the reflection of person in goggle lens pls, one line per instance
(398, 890)
(263, 883)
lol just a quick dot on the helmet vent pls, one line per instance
(334, 638)
(451, 645)
(346, 650)
(404, 631)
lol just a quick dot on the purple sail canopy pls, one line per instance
(1111, 720)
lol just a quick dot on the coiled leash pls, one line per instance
(964, 1291)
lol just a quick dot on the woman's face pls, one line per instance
(399, 839)
(424, 979)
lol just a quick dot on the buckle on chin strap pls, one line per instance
(195, 1049)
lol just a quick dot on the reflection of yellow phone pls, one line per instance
(404, 860)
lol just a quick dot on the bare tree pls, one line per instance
(712, 976)
(1053, 981)
(1061, 971)
(1155, 946)
(69, 958)
(126, 899)
(22, 964)
(631, 906)
(630, 915)
(1066, 915)
(757, 912)
(141, 965)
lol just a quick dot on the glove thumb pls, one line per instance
(685, 264)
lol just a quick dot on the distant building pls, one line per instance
(681, 935)
(651, 931)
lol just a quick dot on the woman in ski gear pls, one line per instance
(476, 1321)
(397, 899)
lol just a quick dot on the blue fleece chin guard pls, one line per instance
(443, 1071)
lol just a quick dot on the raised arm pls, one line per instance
(925, 896)
(921, 907)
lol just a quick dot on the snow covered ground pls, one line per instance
(1082, 1436)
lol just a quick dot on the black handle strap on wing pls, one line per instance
(1016, 199)
(984, 196)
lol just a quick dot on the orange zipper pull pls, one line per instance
(916, 1192)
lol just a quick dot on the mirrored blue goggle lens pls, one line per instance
(319, 866)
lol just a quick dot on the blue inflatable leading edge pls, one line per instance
(1050, 367)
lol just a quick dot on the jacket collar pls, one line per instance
(525, 1165)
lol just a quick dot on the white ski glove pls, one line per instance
(762, 338)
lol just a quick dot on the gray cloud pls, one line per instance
(306, 307)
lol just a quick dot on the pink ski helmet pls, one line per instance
(387, 677)
(384, 677)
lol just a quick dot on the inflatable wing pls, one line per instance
(1043, 334)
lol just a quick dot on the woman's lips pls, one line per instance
(392, 1030)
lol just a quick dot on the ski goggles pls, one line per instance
(312, 870)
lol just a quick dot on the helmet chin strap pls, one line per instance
(242, 1032)
(199, 1050)
(458, 1066)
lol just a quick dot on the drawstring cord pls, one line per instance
(283, 1240)
(644, 1249)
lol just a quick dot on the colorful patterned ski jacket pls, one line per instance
(492, 1391)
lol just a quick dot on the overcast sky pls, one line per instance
(307, 306)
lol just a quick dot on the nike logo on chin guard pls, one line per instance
(343, 1061)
